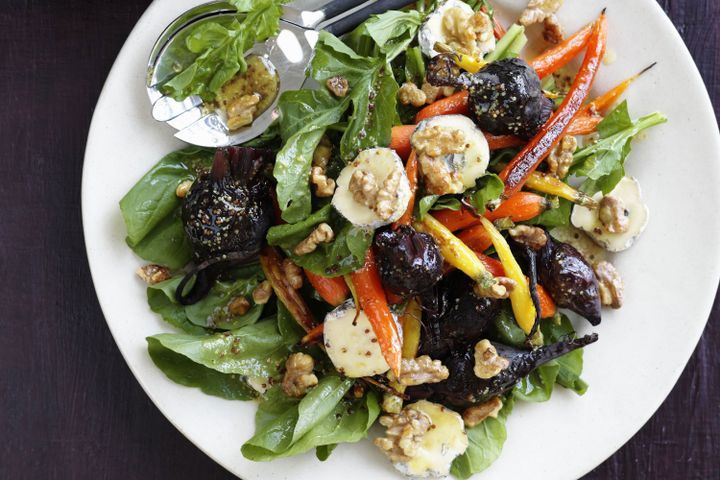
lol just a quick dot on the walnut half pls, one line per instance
(610, 284)
(421, 370)
(476, 414)
(488, 362)
(299, 376)
(404, 434)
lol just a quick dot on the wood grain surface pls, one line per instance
(69, 407)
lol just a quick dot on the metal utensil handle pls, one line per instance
(346, 24)
(336, 7)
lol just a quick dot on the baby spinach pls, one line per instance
(488, 188)
(184, 371)
(437, 202)
(256, 350)
(211, 312)
(220, 49)
(388, 34)
(485, 443)
(557, 216)
(343, 255)
(286, 426)
(603, 163)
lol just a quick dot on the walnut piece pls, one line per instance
(363, 187)
(299, 376)
(241, 111)
(488, 362)
(182, 190)
(500, 289)
(610, 284)
(387, 196)
(262, 293)
(239, 306)
(613, 215)
(323, 233)
(561, 157)
(324, 186)
(338, 85)
(365, 190)
(432, 144)
(404, 434)
(293, 274)
(533, 237)
(543, 11)
(465, 33)
(475, 415)
(432, 92)
(421, 370)
(152, 274)
(410, 94)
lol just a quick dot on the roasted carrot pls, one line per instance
(496, 142)
(400, 140)
(411, 168)
(333, 290)
(373, 302)
(476, 238)
(456, 103)
(313, 335)
(519, 169)
(520, 207)
(555, 58)
(271, 263)
(606, 100)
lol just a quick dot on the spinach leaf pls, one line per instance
(414, 66)
(437, 202)
(506, 329)
(211, 312)
(286, 426)
(220, 49)
(153, 197)
(390, 33)
(166, 244)
(255, 350)
(538, 386)
(488, 188)
(485, 443)
(304, 116)
(184, 371)
(373, 93)
(345, 254)
(603, 163)
(287, 326)
(558, 216)
(571, 364)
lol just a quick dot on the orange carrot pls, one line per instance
(411, 168)
(476, 238)
(605, 101)
(555, 58)
(547, 304)
(520, 207)
(496, 142)
(400, 140)
(313, 335)
(333, 290)
(373, 302)
(457, 103)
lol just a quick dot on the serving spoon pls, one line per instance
(286, 54)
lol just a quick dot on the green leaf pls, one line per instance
(507, 329)
(414, 66)
(286, 427)
(538, 386)
(287, 325)
(390, 33)
(603, 163)
(488, 188)
(571, 364)
(184, 371)
(153, 197)
(220, 48)
(305, 114)
(162, 302)
(345, 254)
(255, 350)
(554, 217)
(166, 244)
(485, 443)
(437, 202)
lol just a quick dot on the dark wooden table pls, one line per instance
(69, 407)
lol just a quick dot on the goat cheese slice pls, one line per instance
(432, 30)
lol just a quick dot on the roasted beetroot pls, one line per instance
(409, 261)
(454, 315)
(226, 215)
(569, 279)
(464, 388)
(505, 96)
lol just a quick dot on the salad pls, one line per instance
(410, 244)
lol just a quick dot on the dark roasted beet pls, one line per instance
(409, 261)
(229, 209)
(569, 279)
(226, 215)
(457, 316)
(463, 388)
(505, 96)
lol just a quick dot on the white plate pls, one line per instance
(671, 274)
